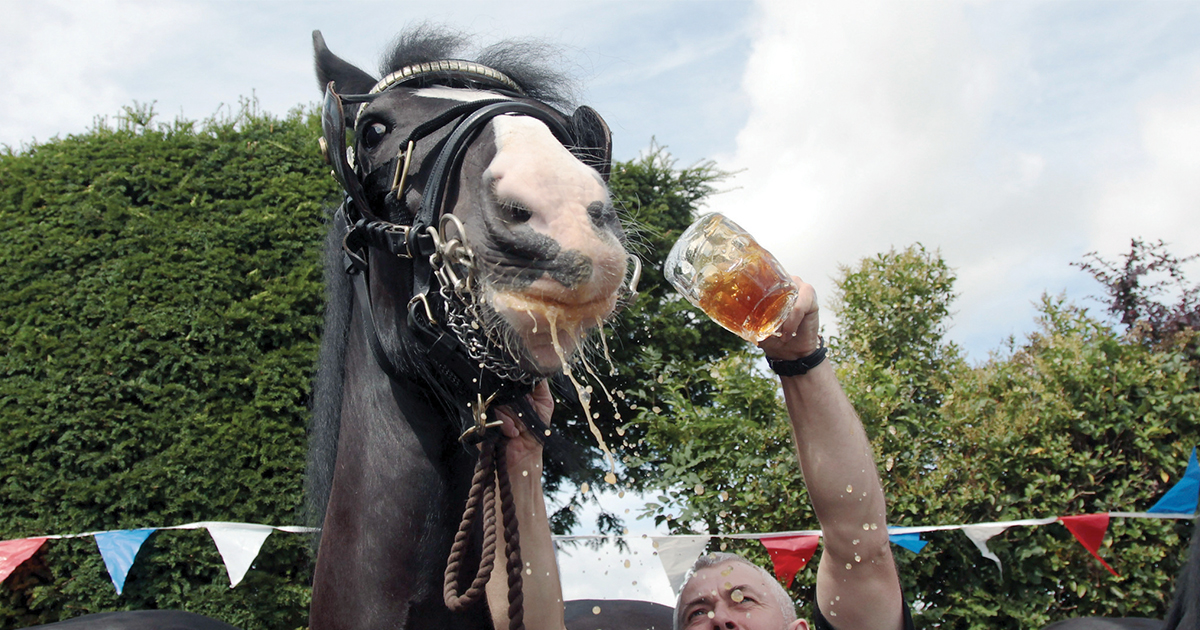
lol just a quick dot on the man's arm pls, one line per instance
(542, 591)
(857, 584)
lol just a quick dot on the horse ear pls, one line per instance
(347, 79)
(593, 140)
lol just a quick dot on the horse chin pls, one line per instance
(550, 331)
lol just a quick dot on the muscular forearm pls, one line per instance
(843, 485)
(542, 591)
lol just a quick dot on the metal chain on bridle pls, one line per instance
(463, 350)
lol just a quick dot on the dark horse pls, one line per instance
(476, 249)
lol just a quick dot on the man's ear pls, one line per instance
(798, 624)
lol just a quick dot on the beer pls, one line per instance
(720, 268)
(750, 300)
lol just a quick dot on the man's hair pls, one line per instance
(709, 560)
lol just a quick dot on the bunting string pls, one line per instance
(239, 543)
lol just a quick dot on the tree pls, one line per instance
(1076, 419)
(1134, 287)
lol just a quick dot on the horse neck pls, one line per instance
(399, 485)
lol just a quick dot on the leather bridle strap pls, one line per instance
(447, 164)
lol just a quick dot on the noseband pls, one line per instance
(442, 263)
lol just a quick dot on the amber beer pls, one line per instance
(720, 268)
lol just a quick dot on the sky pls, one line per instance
(1014, 137)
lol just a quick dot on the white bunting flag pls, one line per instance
(678, 554)
(979, 534)
(238, 544)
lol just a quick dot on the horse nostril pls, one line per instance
(601, 213)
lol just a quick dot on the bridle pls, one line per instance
(443, 301)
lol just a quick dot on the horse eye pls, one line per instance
(373, 134)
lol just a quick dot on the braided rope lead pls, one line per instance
(491, 470)
(481, 486)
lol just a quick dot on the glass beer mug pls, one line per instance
(721, 269)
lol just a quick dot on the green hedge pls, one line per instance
(160, 310)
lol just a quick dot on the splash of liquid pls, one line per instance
(585, 398)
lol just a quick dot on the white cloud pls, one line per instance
(1159, 198)
(997, 133)
(59, 61)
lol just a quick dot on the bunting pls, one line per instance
(119, 548)
(677, 555)
(911, 542)
(238, 544)
(980, 534)
(15, 552)
(1089, 530)
(1185, 494)
(789, 554)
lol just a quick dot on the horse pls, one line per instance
(1184, 613)
(476, 249)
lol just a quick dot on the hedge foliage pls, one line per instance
(160, 309)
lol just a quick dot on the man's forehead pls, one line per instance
(723, 577)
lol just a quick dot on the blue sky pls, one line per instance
(1012, 136)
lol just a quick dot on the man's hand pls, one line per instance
(798, 335)
(523, 447)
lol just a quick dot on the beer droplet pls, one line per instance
(866, 526)
(849, 488)
(626, 564)
(621, 494)
(621, 431)
(736, 595)
(711, 614)
(610, 478)
(857, 558)
(727, 571)
(724, 546)
(524, 473)
(584, 488)
(724, 495)
(595, 610)
(727, 585)
(656, 409)
(699, 488)
(874, 526)
(848, 567)
(547, 432)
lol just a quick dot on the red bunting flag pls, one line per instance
(790, 554)
(1089, 531)
(14, 552)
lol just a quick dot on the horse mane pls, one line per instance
(523, 60)
(327, 384)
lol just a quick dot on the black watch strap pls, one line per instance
(797, 367)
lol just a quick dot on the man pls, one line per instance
(857, 584)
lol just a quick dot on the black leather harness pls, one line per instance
(425, 239)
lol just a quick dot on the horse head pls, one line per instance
(491, 208)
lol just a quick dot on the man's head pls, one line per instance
(726, 591)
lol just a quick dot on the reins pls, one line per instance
(491, 472)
